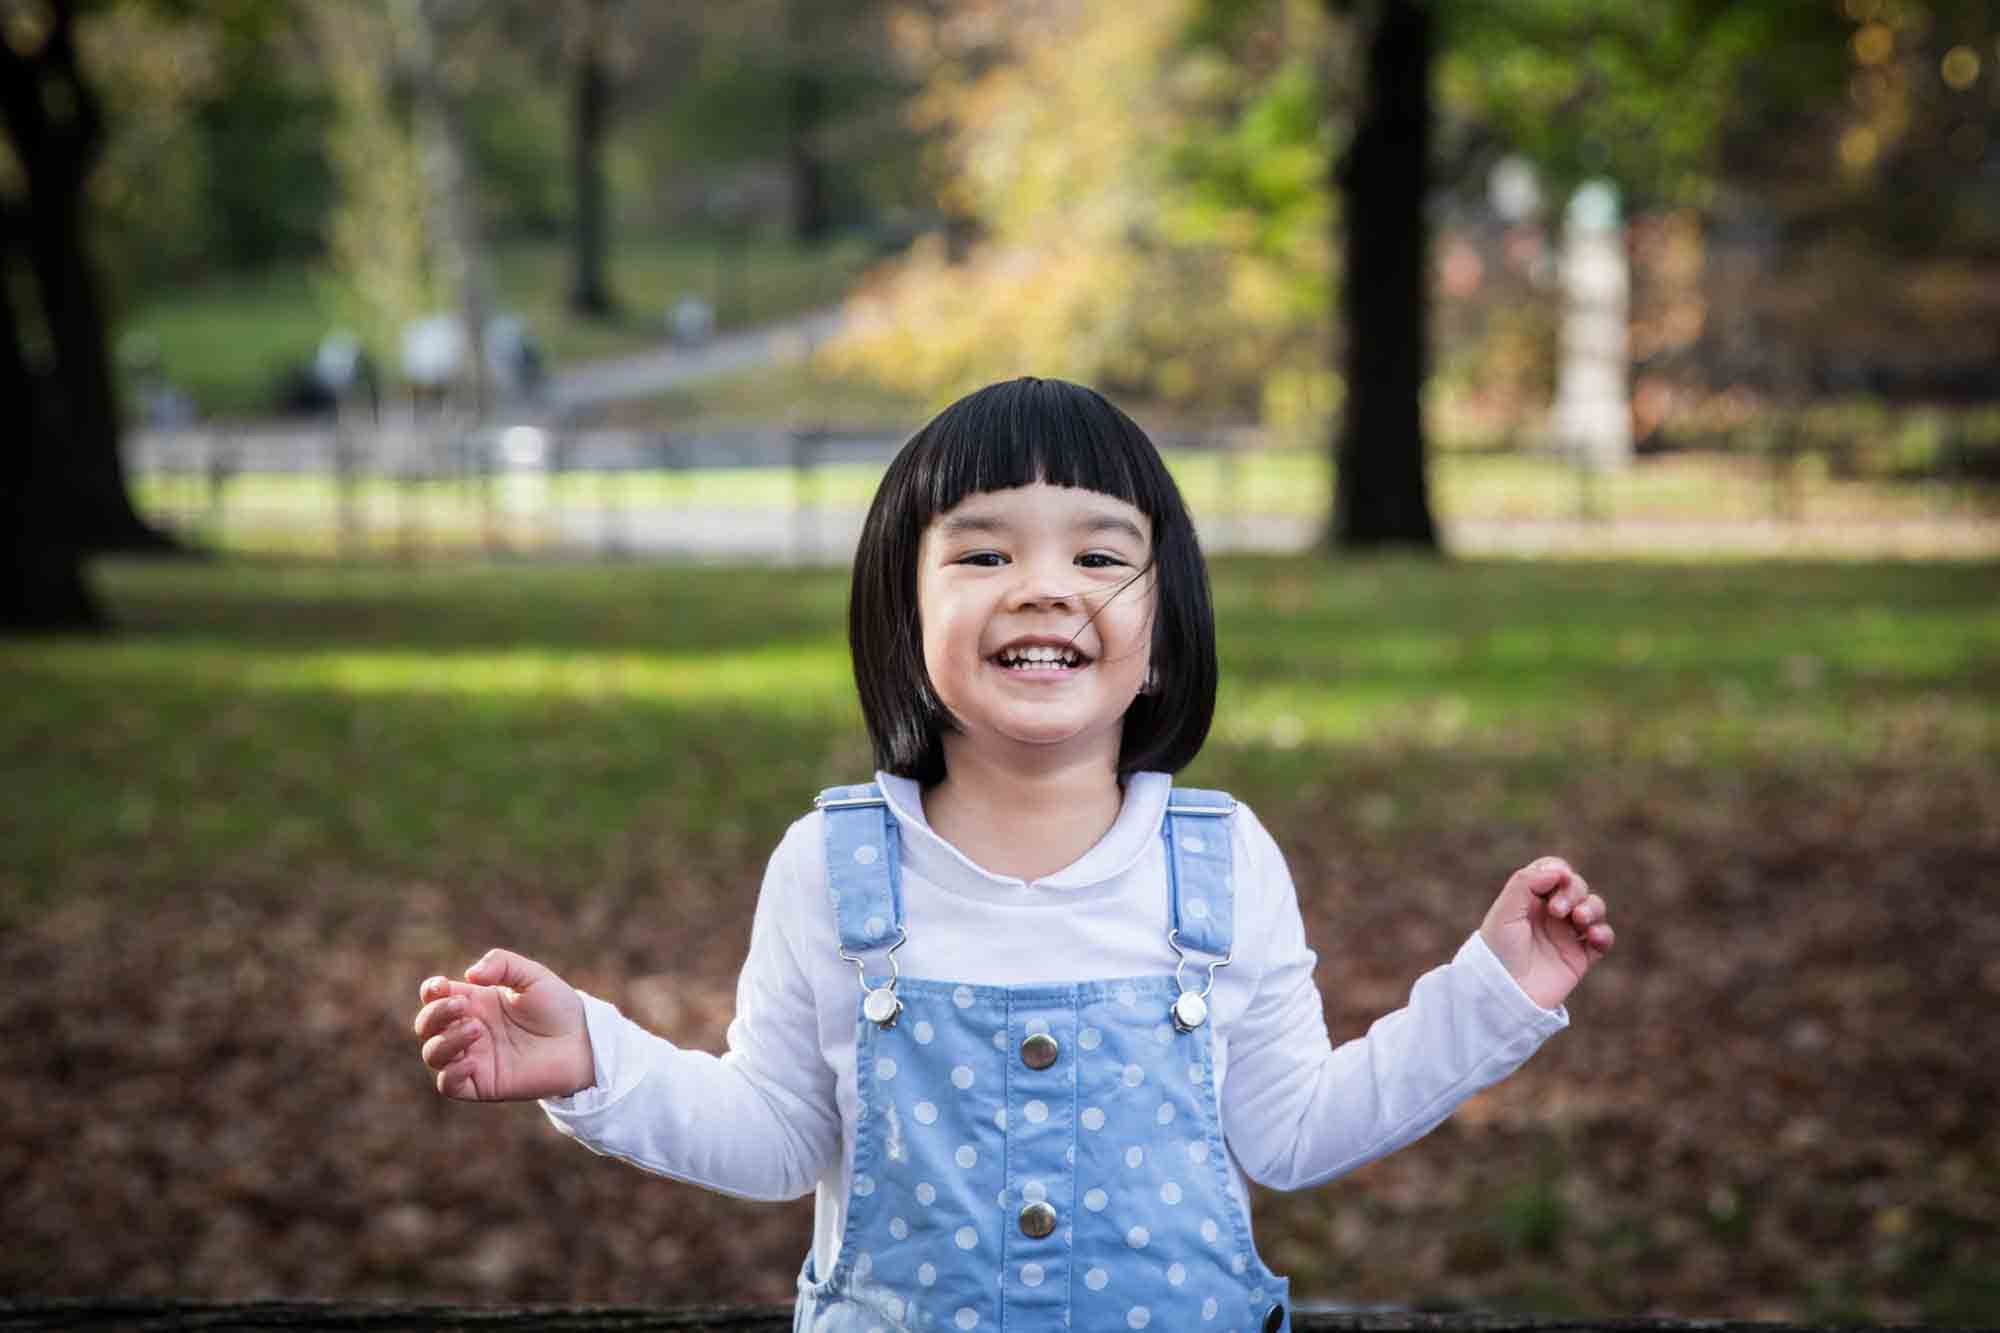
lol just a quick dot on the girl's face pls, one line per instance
(1037, 613)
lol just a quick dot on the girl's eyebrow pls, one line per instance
(1113, 523)
(953, 525)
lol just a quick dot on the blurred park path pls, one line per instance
(650, 373)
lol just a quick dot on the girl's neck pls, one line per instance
(1025, 823)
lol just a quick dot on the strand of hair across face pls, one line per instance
(1091, 619)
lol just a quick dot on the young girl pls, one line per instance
(1023, 1014)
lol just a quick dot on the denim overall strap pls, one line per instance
(863, 866)
(1200, 854)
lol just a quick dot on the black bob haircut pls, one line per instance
(1015, 434)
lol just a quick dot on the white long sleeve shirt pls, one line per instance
(774, 1117)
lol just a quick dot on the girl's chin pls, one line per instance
(1046, 738)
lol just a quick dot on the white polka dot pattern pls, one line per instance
(961, 1134)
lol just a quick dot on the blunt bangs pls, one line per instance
(1006, 435)
(1028, 430)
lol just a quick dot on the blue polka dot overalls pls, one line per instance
(1045, 1156)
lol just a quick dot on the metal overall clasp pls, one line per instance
(879, 1004)
(1190, 1009)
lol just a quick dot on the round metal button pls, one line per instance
(1274, 1320)
(1038, 1221)
(1039, 1051)
(881, 1007)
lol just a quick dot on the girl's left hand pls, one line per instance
(1548, 929)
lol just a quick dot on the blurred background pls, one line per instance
(439, 430)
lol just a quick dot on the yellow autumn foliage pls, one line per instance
(1086, 267)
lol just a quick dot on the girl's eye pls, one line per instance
(984, 559)
(1099, 560)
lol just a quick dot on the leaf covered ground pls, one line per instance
(238, 835)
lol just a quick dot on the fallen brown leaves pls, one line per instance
(1777, 1099)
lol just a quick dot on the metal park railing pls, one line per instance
(416, 489)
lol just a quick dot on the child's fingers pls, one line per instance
(450, 1044)
(502, 968)
(1588, 912)
(1597, 941)
(1570, 895)
(437, 988)
(457, 1081)
(439, 1014)
(1539, 877)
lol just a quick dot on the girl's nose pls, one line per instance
(1044, 589)
(1031, 600)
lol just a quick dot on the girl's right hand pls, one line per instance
(511, 1031)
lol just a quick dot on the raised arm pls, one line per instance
(759, 1121)
(1299, 1111)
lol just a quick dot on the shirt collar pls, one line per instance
(1130, 837)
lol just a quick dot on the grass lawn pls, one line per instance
(229, 340)
(240, 830)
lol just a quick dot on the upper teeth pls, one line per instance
(1013, 656)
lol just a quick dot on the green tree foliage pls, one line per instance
(1152, 191)
(1144, 209)
(1643, 95)
(212, 159)
(381, 270)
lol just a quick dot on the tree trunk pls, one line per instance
(42, 585)
(1380, 495)
(54, 129)
(591, 116)
(99, 508)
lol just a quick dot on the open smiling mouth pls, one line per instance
(1039, 657)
